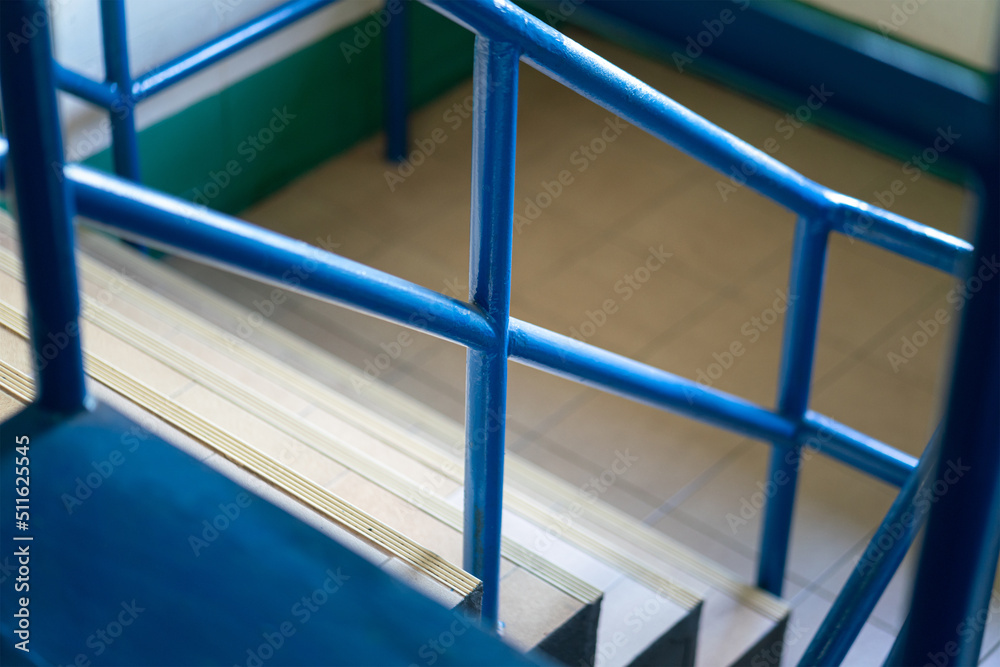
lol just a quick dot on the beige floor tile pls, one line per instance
(670, 450)
(835, 508)
(867, 288)
(534, 396)
(723, 239)
(918, 352)
(881, 405)
(737, 348)
(610, 297)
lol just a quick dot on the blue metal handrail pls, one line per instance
(506, 35)
(119, 93)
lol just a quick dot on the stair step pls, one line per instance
(654, 604)
(739, 621)
(439, 475)
(563, 605)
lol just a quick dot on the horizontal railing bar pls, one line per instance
(919, 242)
(856, 449)
(593, 366)
(98, 93)
(595, 78)
(166, 75)
(596, 367)
(149, 217)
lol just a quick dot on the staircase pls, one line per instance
(376, 470)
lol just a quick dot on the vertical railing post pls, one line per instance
(124, 142)
(43, 207)
(395, 80)
(958, 560)
(805, 287)
(493, 143)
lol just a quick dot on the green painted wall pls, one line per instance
(335, 104)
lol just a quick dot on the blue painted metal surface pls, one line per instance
(805, 288)
(492, 236)
(879, 561)
(120, 94)
(99, 93)
(396, 102)
(162, 77)
(124, 142)
(958, 560)
(42, 203)
(167, 223)
(137, 554)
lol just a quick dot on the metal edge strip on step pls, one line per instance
(320, 500)
(314, 438)
(536, 483)
(518, 472)
(432, 457)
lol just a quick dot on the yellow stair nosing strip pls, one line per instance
(311, 495)
(434, 458)
(310, 436)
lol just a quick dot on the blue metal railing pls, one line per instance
(120, 92)
(505, 36)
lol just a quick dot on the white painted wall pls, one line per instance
(966, 30)
(163, 29)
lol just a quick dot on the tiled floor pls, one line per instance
(724, 281)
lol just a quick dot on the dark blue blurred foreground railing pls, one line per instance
(505, 36)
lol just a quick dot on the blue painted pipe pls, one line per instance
(166, 75)
(492, 236)
(581, 362)
(875, 569)
(855, 449)
(146, 216)
(805, 290)
(564, 60)
(958, 558)
(856, 219)
(98, 93)
(124, 141)
(43, 209)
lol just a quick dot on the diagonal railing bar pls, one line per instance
(875, 568)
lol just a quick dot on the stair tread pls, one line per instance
(438, 460)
